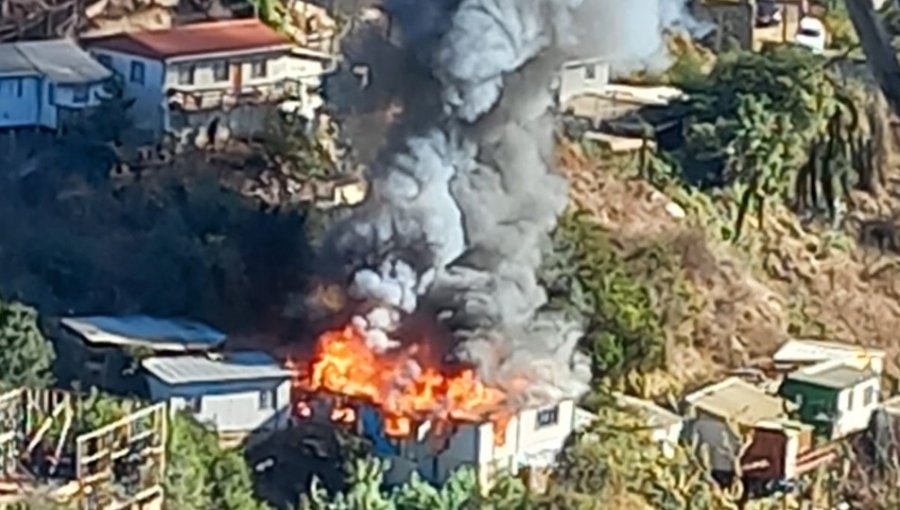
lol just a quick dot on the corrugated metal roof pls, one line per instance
(196, 39)
(12, 62)
(737, 400)
(833, 374)
(811, 351)
(239, 366)
(60, 60)
(143, 331)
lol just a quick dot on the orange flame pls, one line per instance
(345, 365)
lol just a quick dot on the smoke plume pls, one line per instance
(459, 218)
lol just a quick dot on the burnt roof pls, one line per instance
(196, 39)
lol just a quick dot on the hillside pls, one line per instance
(791, 276)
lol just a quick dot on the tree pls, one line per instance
(586, 278)
(201, 475)
(366, 476)
(762, 121)
(25, 355)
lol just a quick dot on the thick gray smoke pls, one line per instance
(461, 216)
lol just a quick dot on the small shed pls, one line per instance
(97, 350)
(665, 426)
(799, 353)
(236, 394)
(836, 397)
(746, 431)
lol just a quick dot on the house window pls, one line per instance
(51, 94)
(194, 404)
(547, 417)
(106, 60)
(869, 396)
(220, 70)
(186, 74)
(850, 400)
(259, 69)
(267, 400)
(137, 72)
(590, 72)
(79, 94)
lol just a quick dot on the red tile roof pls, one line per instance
(195, 39)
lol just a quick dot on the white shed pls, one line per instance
(236, 394)
(42, 83)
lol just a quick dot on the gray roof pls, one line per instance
(832, 375)
(60, 60)
(238, 366)
(143, 331)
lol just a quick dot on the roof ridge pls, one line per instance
(34, 67)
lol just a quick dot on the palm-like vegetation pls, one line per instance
(774, 123)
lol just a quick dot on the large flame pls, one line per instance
(406, 393)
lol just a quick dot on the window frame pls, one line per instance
(138, 72)
(225, 74)
(81, 94)
(547, 417)
(189, 70)
(267, 400)
(259, 69)
(590, 72)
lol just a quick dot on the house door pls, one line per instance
(237, 77)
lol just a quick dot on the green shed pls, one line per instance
(835, 397)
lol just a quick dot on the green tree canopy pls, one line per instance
(201, 475)
(25, 355)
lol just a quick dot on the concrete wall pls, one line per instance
(229, 406)
(20, 99)
(148, 109)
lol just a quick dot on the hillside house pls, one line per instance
(234, 72)
(578, 77)
(799, 353)
(531, 440)
(97, 350)
(748, 433)
(836, 397)
(236, 394)
(47, 84)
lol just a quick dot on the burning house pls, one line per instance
(450, 342)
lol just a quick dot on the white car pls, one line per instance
(811, 33)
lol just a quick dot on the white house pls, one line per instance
(47, 83)
(92, 350)
(530, 440)
(232, 71)
(577, 77)
(237, 394)
(798, 353)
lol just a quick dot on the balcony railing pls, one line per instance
(229, 97)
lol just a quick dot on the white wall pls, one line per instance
(147, 111)
(19, 101)
(720, 442)
(574, 80)
(668, 437)
(473, 445)
(230, 407)
(854, 415)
